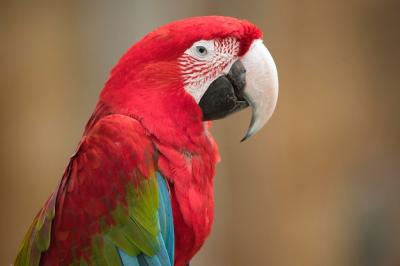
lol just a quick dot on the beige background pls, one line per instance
(319, 186)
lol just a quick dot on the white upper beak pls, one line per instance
(261, 90)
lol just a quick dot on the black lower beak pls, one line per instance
(224, 96)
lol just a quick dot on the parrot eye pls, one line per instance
(201, 51)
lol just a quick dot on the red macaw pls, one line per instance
(139, 189)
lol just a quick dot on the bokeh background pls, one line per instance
(320, 185)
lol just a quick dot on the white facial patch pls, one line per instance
(205, 61)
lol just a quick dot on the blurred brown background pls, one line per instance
(319, 186)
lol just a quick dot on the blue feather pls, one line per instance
(128, 260)
(166, 223)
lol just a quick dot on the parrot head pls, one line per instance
(201, 68)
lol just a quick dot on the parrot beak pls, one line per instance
(261, 90)
(251, 81)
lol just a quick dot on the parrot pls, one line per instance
(138, 189)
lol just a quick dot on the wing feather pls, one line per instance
(109, 205)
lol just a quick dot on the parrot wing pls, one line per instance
(111, 207)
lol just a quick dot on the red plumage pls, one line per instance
(147, 84)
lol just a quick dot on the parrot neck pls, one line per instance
(154, 95)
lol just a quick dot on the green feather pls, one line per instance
(38, 237)
(135, 230)
(119, 239)
(111, 254)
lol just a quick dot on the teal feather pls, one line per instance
(166, 223)
(128, 260)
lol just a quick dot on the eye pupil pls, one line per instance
(201, 50)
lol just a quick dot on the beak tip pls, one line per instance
(243, 139)
(246, 136)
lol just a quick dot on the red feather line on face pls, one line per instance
(196, 72)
